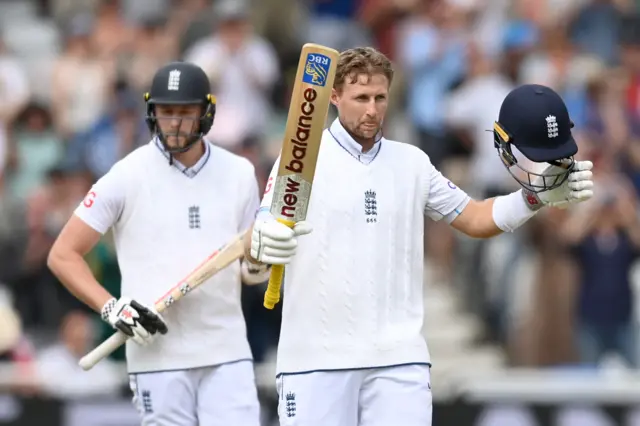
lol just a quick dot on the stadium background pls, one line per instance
(511, 322)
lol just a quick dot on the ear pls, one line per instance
(334, 97)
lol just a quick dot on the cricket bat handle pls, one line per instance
(213, 264)
(272, 295)
(102, 351)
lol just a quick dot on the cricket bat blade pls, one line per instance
(310, 101)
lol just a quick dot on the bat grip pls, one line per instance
(102, 351)
(272, 295)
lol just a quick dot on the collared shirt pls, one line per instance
(346, 141)
(187, 171)
(363, 262)
(163, 226)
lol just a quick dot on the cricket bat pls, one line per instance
(305, 124)
(213, 264)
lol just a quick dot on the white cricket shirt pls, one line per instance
(166, 220)
(353, 294)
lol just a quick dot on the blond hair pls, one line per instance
(361, 61)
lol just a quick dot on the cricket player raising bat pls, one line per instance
(351, 351)
(170, 203)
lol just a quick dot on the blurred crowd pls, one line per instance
(561, 291)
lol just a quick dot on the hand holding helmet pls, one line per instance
(535, 121)
(576, 188)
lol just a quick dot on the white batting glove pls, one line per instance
(274, 243)
(577, 188)
(141, 323)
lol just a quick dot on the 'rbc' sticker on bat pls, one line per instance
(316, 69)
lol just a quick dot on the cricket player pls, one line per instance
(351, 351)
(170, 203)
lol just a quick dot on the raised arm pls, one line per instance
(490, 217)
(271, 242)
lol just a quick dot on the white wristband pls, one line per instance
(511, 211)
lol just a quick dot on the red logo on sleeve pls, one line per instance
(88, 200)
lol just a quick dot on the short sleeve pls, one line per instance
(442, 198)
(104, 203)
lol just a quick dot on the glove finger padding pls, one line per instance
(580, 176)
(137, 321)
(265, 240)
(276, 260)
(278, 253)
(150, 319)
(302, 228)
(582, 165)
(275, 230)
(581, 195)
(580, 185)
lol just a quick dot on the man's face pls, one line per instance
(177, 123)
(362, 104)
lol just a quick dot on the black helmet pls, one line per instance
(180, 83)
(534, 119)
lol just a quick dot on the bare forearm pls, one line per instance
(476, 220)
(74, 273)
(485, 226)
(493, 216)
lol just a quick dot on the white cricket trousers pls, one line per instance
(222, 395)
(387, 396)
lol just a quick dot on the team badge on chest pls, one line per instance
(194, 217)
(370, 206)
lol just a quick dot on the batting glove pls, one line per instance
(578, 186)
(274, 243)
(137, 321)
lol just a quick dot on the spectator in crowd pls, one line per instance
(12, 347)
(243, 68)
(117, 132)
(37, 149)
(46, 211)
(605, 241)
(153, 46)
(335, 23)
(81, 80)
(455, 60)
(432, 52)
(14, 96)
(57, 369)
(594, 29)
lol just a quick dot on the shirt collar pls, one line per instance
(187, 171)
(344, 139)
